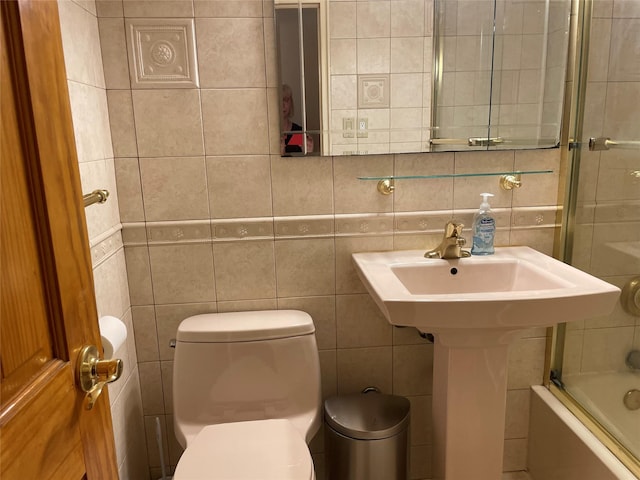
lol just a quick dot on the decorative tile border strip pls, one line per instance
(106, 245)
(322, 226)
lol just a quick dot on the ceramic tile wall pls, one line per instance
(215, 220)
(380, 71)
(81, 43)
(608, 229)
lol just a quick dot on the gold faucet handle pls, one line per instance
(453, 229)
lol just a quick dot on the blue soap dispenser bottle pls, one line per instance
(484, 228)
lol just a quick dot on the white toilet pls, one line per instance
(246, 395)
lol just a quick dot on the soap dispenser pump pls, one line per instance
(484, 228)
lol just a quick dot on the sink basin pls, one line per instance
(515, 288)
(475, 307)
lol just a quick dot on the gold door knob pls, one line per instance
(93, 374)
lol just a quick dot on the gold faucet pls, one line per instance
(452, 243)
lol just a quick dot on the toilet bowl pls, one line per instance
(246, 392)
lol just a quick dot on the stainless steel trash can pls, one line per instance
(367, 437)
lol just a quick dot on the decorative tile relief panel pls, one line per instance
(162, 53)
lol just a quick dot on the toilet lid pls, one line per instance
(256, 450)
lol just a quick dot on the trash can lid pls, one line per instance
(367, 416)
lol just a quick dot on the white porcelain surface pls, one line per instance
(475, 307)
(517, 287)
(265, 449)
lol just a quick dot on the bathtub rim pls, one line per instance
(597, 438)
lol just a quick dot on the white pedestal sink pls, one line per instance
(475, 307)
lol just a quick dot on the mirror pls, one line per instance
(402, 76)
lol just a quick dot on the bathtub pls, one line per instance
(563, 448)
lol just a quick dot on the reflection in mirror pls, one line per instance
(399, 76)
(298, 49)
(499, 76)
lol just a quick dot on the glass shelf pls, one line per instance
(455, 175)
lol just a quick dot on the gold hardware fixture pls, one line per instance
(386, 186)
(630, 297)
(97, 196)
(509, 182)
(485, 142)
(605, 143)
(452, 243)
(93, 374)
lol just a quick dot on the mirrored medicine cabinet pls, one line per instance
(407, 76)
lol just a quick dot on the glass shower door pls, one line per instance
(598, 366)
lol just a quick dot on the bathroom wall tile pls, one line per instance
(80, 42)
(239, 186)
(408, 18)
(182, 273)
(323, 312)
(168, 318)
(128, 429)
(374, 55)
(359, 368)
(526, 363)
(166, 371)
(406, 91)
(515, 455)
(145, 330)
(174, 188)
(271, 53)
(151, 388)
(329, 376)
(109, 8)
(244, 270)
(113, 44)
(421, 424)
(624, 34)
(305, 267)
(360, 322)
(373, 19)
(110, 282)
(423, 194)
(248, 305)
(467, 190)
(347, 280)
(302, 185)
(620, 115)
(123, 132)
(412, 369)
(129, 190)
(343, 56)
(407, 55)
(175, 449)
(226, 59)
(228, 8)
(139, 275)
(543, 188)
(517, 414)
(154, 9)
(407, 336)
(273, 119)
(541, 239)
(236, 132)
(420, 462)
(353, 195)
(158, 134)
(342, 19)
(344, 92)
(90, 122)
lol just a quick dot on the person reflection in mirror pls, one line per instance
(291, 142)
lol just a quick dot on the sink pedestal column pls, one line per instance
(469, 400)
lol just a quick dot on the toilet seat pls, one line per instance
(254, 450)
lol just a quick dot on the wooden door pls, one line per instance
(48, 309)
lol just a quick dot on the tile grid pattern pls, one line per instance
(215, 220)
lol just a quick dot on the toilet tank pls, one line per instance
(239, 366)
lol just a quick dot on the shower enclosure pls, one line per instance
(595, 367)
